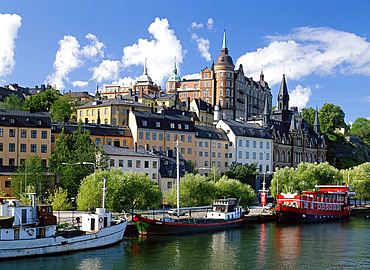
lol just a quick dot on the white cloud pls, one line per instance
(299, 97)
(126, 81)
(195, 25)
(70, 57)
(210, 24)
(9, 25)
(106, 70)
(203, 46)
(194, 76)
(366, 99)
(80, 84)
(321, 51)
(160, 52)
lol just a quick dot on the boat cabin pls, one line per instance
(225, 209)
(92, 222)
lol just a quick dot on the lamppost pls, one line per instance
(73, 216)
(214, 173)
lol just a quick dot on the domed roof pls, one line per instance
(144, 78)
(174, 77)
(224, 58)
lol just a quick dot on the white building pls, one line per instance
(248, 143)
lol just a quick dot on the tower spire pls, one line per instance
(283, 97)
(224, 46)
(145, 69)
(316, 125)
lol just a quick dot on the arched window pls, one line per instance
(227, 92)
(227, 103)
(283, 156)
(277, 155)
(260, 168)
(310, 160)
(288, 157)
(305, 158)
(267, 168)
(315, 158)
(221, 102)
(221, 93)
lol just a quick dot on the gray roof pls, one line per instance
(24, 118)
(210, 133)
(127, 151)
(248, 129)
(83, 94)
(99, 102)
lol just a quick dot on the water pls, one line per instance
(335, 245)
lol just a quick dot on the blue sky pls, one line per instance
(322, 46)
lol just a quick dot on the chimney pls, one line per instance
(135, 147)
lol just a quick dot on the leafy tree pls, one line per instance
(62, 107)
(12, 102)
(59, 200)
(74, 149)
(243, 172)
(42, 101)
(214, 175)
(331, 117)
(125, 191)
(233, 188)
(192, 166)
(360, 178)
(195, 190)
(31, 172)
(309, 115)
(361, 128)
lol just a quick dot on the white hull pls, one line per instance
(57, 244)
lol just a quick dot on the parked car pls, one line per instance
(173, 212)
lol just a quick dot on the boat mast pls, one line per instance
(178, 176)
(104, 188)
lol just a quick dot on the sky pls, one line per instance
(322, 47)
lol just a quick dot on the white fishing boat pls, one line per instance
(30, 230)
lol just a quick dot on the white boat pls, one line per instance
(30, 230)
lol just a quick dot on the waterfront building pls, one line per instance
(237, 95)
(212, 148)
(159, 131)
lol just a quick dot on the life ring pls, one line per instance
(30, 232)
(100, 220)
(36, 222)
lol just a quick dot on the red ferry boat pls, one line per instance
(331, 202)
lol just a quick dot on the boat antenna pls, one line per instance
(178, 176)
(104, 188)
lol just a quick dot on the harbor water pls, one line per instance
(333, 245)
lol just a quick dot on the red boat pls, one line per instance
(331, 202)
(226, 215)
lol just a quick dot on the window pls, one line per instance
(254, 155)
(218, 154)
(169, 184)
(97, 141)
(205, 144)
(106, 111)
(267, 156)
(206, 163)
(261, 144)
(11, 132)
(106, 121)
(230, 155)
(157, 124)
(138, 163)
(154, 136)
(33, 148)
(247, 155)
(182, 150)
(206, 154)
(114, 111)
(145, 123)
(146, 164)
(240, 154)
(200, 153)
(213, 154)
(114, 122)
(254, 144)
(147, 135)
(189, 138)
(172, 125)
(11, 162)
(111, 163)
(200, 144)
(23, 133)
(261, 156)
(240, 143)
(260, 168)
(93, 112)
(120, 163)
(186, 126)
(141, 135)
(267, 145)
(23, 147)
(44, 134)
(189, 151)
(226, 164)
(154, 176)
(160, 136)
(226, 155)
(33, 133)
(154, 164)
(183, 138)
(1, 147)
(168, 137)
(129, 163)
(219, 145)
(87, 112)
(179, 126)
(11, 147)
(81, 113)
(44, 148)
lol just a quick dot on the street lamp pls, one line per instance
(214, 173)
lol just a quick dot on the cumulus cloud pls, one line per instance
(9, 25)
(70, 57)
(126, 81)
(210, 24)
(108, 69)
(195, 25)
(80, 84)
(160, 51)
(321, 51)
(300, 96)
(366, 99)
(194, 76)
(203, 46)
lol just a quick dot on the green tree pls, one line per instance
(331, 117)
(31, 172)
(195, 190)
(72, 149)
(360, 178)
(232, 188)
(12, 102)
(125, 191)
(245, 173)
(214, 174)
(42, 101)
(62, 107)
(309, 116)
(361, 128)
(59, 200)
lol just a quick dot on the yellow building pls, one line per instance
(108, 111)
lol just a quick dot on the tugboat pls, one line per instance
(225, 215)
(331, 202)
(30, 230)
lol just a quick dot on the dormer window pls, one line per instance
(172, 125)
(38, 122)
(145, 123)
(186, 126)
(12, 120)
(179, 126)
(158, 124)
